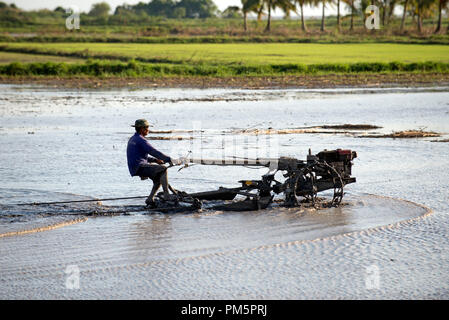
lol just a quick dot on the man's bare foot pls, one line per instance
(150, 203)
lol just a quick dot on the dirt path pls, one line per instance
(303, 81)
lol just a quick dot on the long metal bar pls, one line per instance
(234, 162)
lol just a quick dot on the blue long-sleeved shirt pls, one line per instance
(139, 151)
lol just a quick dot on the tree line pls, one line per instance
(417, 9)
(141, 13)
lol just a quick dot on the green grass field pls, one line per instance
(246, 53)
(8, 57)
(222, 60)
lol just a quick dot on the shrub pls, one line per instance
(135, 68)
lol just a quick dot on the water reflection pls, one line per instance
(152, 237)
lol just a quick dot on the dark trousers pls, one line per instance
(152, 171)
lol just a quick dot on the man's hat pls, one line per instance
(141, 123)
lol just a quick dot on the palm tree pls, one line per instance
(350, 3)
(338, 15)
(285, 5)
(301, 7)
(316, 3)
(420, 18)
(269, 5)
(382, 4)
(403, 15)
(247, 7)
(260, 12)
(441, 4)
(391, 4)
(323, 16)
(423, 7)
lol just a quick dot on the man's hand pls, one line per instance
(177, 162)
(159, 161)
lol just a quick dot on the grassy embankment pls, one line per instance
(225, 60)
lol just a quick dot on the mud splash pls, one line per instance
(18, 218)
(356, 213)
(47, 227)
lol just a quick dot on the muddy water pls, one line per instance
(63, 145)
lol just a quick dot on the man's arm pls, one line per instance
(154, 160)
(154, 152)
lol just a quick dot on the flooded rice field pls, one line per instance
(68, 145)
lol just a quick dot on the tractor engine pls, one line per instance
(340, 160)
